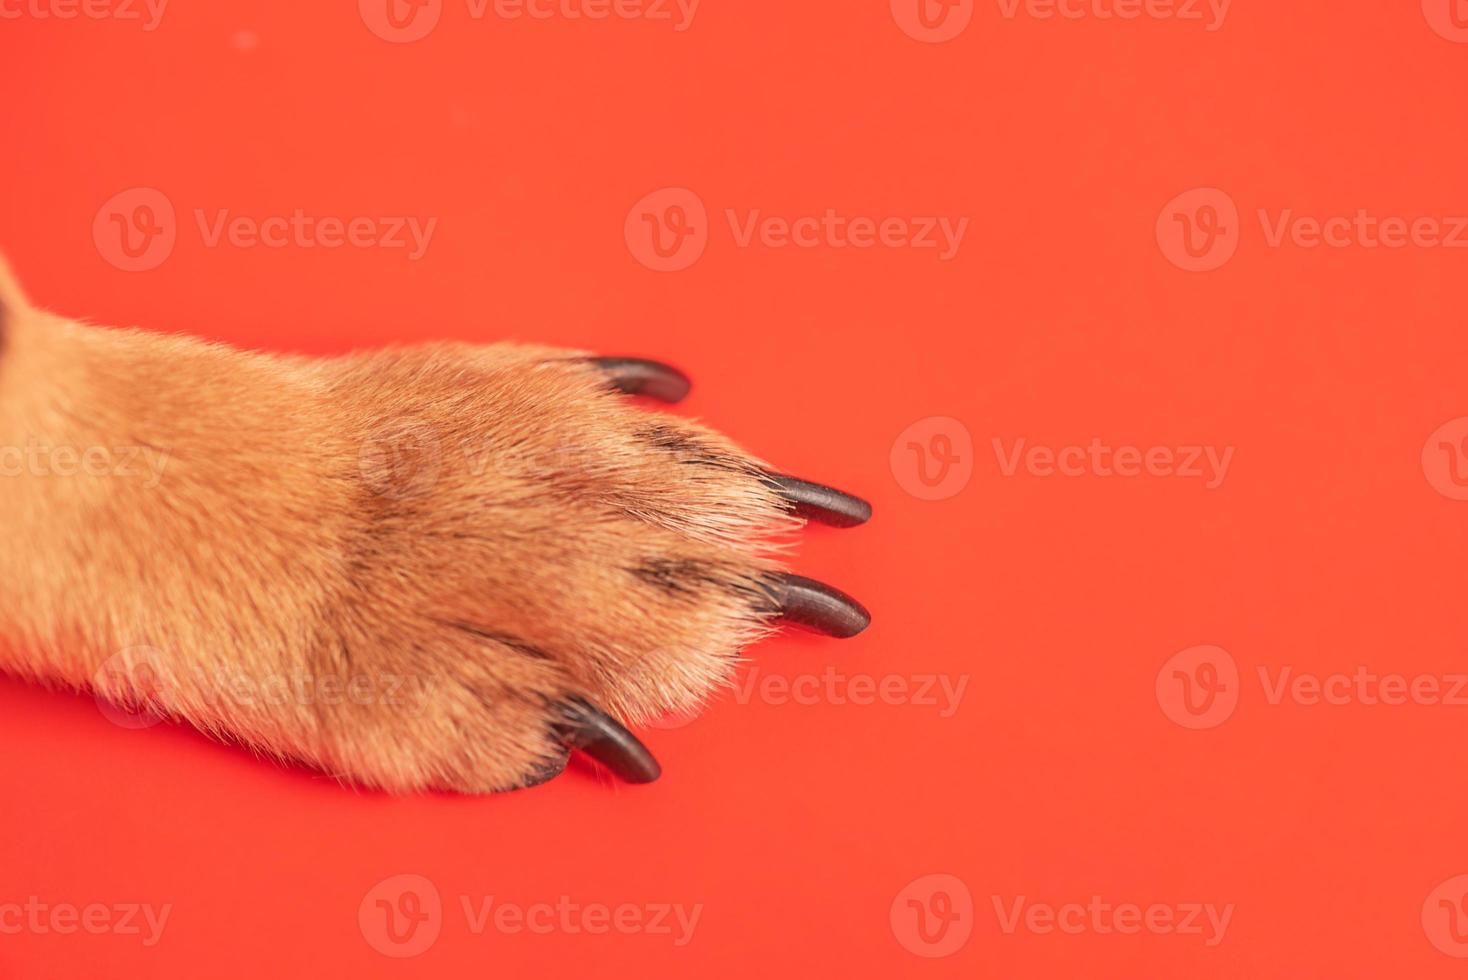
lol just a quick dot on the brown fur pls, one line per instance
(470, 535)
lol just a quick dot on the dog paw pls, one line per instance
(442, 567)
(598, 560)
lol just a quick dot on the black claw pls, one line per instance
(814, 604)
(817, 502)
(599, 735)
(639, 376)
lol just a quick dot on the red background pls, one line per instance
(795, 826)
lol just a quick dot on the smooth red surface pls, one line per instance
(795, 826)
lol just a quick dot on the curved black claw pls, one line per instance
(599, 735)
(814, 604)
(639, 376)
(818, 502)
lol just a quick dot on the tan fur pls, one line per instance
(470, 535)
